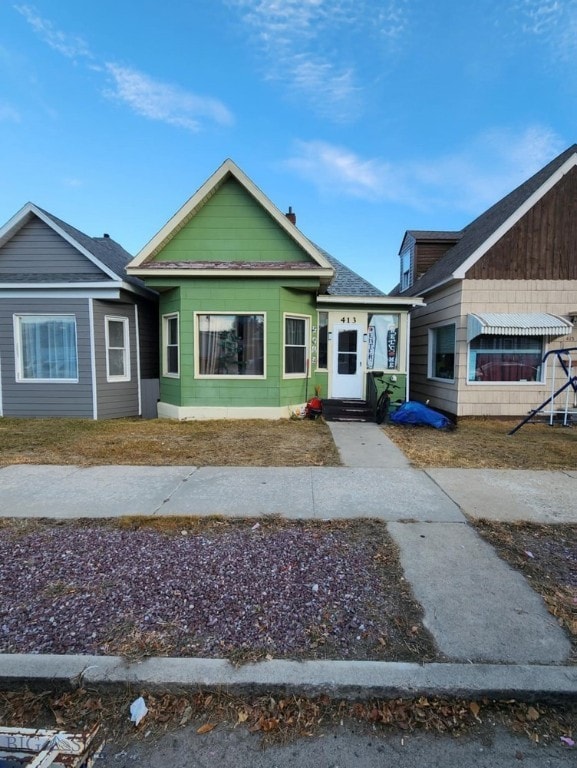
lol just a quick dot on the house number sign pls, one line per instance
(352, 319)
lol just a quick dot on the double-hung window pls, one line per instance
(46, 348)
(117, 349)
(170, 346)
(296, 333)
(230, 345)
(442, 352)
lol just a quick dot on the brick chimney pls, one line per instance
(291, 216)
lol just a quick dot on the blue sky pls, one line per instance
(368, 117)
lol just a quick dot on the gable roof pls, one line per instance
(482, 233)
(104, 252)
(318, 264)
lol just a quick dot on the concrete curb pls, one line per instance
(338, 679)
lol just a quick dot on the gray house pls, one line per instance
(78, 336)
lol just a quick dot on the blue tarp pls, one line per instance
(417, 413)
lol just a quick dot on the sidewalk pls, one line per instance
(491, 626)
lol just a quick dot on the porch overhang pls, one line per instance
(383, 301)
(517, 324)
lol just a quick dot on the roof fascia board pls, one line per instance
(19, 219)
(53, 292)
(441, 284)
(386, 301)
(547, 185)
(112, 289)
(70, 286)
(144, 273)
(228, 168)
(15, 223)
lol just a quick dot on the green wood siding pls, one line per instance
(232, 226)
(170, 386)
(227, 295)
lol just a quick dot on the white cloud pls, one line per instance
(164, 102)
(150, 98)
(68, 45)
(552, 22)
(469, 180)
(297, 40)
(340, 171)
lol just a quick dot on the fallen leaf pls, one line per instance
(475, 708)
(206, 728)
(186, 715)
(532, 714)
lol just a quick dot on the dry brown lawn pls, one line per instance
(258, 443)
(484, 443)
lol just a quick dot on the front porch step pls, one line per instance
(347, 410)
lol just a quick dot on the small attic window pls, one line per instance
(406, 281)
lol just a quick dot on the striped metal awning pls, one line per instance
(517, 324)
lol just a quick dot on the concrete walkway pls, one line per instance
(479, 610)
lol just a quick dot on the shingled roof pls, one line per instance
(105, 249)
(482, 228)
(346, 282)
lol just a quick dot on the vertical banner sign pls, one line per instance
(392, 335)
(372, 346)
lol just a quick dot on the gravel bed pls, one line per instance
(288, 590)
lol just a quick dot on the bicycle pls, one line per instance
(384, 400)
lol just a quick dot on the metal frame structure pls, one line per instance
(566, 362)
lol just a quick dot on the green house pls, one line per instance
(255, 318)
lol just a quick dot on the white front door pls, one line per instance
(347, 366)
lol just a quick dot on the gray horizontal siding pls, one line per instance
(36, 248)
(119, 398)
(24, 399)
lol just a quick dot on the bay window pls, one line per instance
(295, 345)
(46, 348)
(117, 349)
(230, 344)
(170, 357)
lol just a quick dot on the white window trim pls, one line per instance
(126, 376)
(430, 361)
(165, 345)
(307, 319)
(18, 373)
(223, 377)
(317, 341)
(520, 383)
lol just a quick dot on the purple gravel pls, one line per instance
(289, 591)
